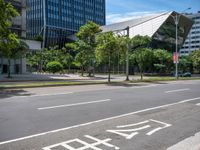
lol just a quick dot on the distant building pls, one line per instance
(19, 27)
(57, 20)
(192, 42)
(160, 27)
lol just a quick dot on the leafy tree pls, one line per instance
(40, 59)
(144, 58)
(139, 41)
(196, 60)
(185, 64)
(68, 59)
(86, 44)
(8, 12)
(135, 43)
(106, 50)
(81, 58)
(54, 67)
(163, 61)
(8, 40)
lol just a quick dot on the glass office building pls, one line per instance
(192, 42)
(55, 20)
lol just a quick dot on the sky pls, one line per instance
(122, 10)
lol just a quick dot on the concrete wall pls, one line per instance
(18, 66)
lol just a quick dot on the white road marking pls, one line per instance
(166, 125)
(131, 135)
(198, 104)
(130, 132)
(41, 95)
(145, 86)
(179, 90)
(76, 104)
(98, 121)
(85, 145)
(130, 125)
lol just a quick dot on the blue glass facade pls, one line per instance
(57, 19)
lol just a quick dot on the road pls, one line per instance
(146, 117)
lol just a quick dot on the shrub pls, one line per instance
(54, 67)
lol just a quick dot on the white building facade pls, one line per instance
(192, 42)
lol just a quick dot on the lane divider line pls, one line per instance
(98, 121)
(145, 86)
(76, 104)
(41, 95)
(179, 90)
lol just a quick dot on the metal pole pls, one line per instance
(127, 56)
(44, 28)
(177, 57)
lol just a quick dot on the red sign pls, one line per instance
(176, 57)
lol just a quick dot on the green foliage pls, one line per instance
(107, 49)
(40, 59)
(139, 41)
(196, 60)
(54, 67)
(85, 46)
(144, 59)
(8, 40)
(38, 38)
(186, 64)
(88, 32)
(163, 61)
(7, 12)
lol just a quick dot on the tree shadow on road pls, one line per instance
(125, 84)
(8, 93)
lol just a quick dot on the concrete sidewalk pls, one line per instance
(58, 77)
(192, 143)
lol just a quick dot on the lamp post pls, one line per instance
(127, 55)
(176, 20)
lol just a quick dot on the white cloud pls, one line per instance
(114, 18)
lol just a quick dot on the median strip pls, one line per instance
(76, 104)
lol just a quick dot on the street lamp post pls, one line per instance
(176, 20)
(127, 55)
(176, 23)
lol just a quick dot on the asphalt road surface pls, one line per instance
(147, 117)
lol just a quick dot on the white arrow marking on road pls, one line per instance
(179, 90)
(166, 125)
(131, 135)
(132, 131)
(76, 104)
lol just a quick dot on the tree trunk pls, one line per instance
(9, 76)
(141, 73)
(109, 66)
(69, 69)
(82, 72)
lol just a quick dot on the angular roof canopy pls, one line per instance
(160, 27)
(157, 19)
(130, 23)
